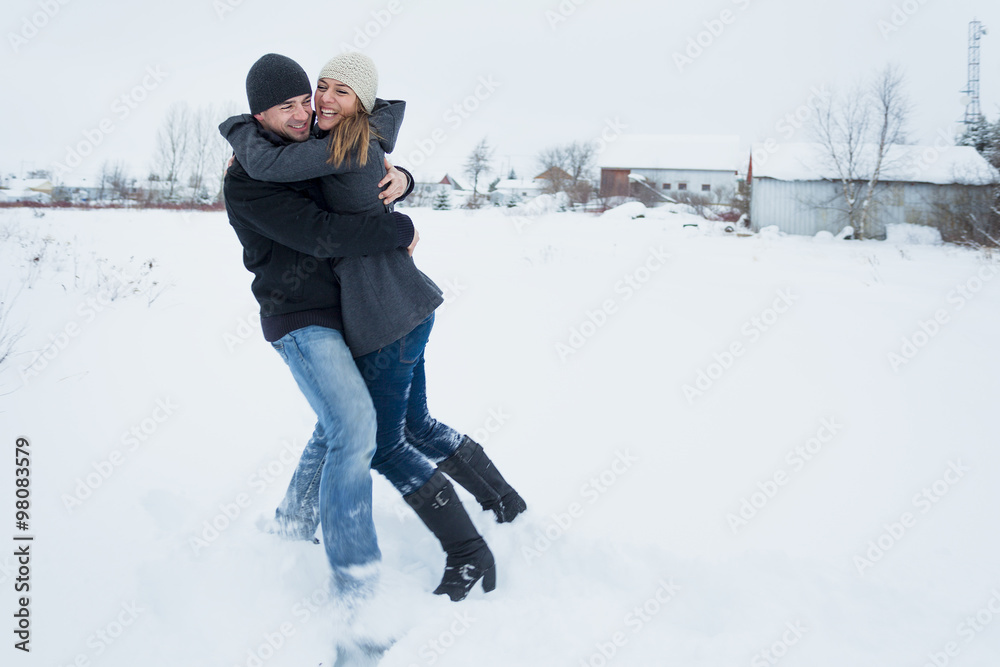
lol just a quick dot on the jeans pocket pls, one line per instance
(279, 347)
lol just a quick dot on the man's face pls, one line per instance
(292, 119)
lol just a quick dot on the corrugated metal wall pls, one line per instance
(807, 207)
(796, 207)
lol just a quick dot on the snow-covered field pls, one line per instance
(736, 450)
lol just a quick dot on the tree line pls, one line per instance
(187, 168)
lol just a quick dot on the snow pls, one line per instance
(628, 210)
(539, 205)
(907, 234)
(729, 446)
(686, 152)
(771, 232)
(22, 195)
(938, 164)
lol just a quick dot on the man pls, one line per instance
(288, 240)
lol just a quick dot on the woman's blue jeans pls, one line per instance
(409, 440)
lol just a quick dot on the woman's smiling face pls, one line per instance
(334, 100)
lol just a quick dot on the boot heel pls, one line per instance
(490, 579)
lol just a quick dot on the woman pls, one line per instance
(388, 307)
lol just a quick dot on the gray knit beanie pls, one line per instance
(274, 79)
(356, 70)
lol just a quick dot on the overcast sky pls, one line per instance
(525, 74)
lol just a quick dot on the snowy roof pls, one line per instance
(941, 165)
(553, 173)
(519, 184)
(80, 182)
(36, 184)
(451, 180)
(673, 151)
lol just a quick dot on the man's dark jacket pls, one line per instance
(383, 296)
(288, 240)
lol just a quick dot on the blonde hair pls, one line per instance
(349, 139)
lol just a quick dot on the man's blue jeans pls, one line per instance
(332, 484)
(409, 440)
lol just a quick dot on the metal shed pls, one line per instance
(795, 187)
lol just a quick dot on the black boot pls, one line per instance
(469, 559)
(470, 467)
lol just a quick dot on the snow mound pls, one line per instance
(631, 210)
(770, 232)
(542, 205)
(906, 234)
(823, 236)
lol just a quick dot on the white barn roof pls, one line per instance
(510, 184)
(909, 164)
(681, 152)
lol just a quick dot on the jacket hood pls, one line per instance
(231, 122)
(387, 116)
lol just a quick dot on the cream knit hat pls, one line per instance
(356, 70)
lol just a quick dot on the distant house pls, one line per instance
(425, 192)
(553, 178)
(795, 187)
(38, 190)
(515, 190)
(669, 164)
(449, 182)
(82, 190)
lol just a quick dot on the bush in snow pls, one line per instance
(9, 332)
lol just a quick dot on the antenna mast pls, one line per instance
(972, 112)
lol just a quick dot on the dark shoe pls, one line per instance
(470, 467)
(469, 559)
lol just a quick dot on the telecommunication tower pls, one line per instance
(972, 112)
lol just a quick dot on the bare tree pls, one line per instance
(568, 169)
(580, 156)
(553, 163)
(890, 111)
(219, 149)
(202, 128)
(118, 179)
(209, 152)
(104, 180)
(478, 163)
(856, 133)
(172, 145)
